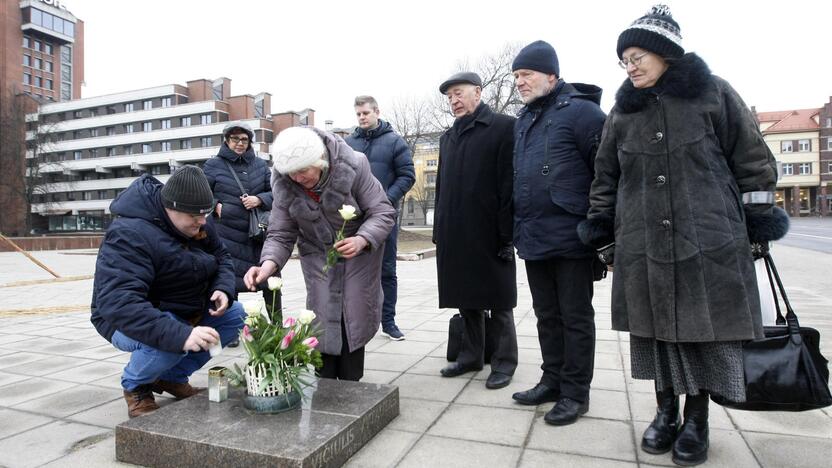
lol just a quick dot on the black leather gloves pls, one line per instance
(607, 254)
(506, 252)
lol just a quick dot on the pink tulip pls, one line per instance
(312, 342)
(247, 336)
(287, 340)
(289, 322)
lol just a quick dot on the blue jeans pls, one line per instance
(389, 281)
(148, 364)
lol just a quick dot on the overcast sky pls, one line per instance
(321, 54)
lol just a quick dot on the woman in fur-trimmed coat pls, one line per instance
(315, 173)
(683, 186)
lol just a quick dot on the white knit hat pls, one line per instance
(296, 148)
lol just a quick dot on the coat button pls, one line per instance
(661, 180)
(666, 223)
(659, 136)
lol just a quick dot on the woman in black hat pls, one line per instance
(684, 185)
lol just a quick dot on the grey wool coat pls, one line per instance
(351, 289)
(672, 164)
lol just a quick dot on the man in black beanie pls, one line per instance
(556, 136)
(163, 286)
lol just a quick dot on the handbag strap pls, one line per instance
(234, 173)
(791, 317)
(780, 320)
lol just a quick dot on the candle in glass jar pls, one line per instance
(217, 384)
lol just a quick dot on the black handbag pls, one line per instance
(784, 371)
(455, 330)
(258, 220)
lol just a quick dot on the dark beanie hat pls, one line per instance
(656, 32)
(537, 56)
(188, 191)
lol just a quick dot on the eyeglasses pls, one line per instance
(198, 216)
(635, 60)
(236, 140)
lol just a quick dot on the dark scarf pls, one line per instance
(685, 78)
(463, 122)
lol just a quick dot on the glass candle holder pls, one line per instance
(217, 384)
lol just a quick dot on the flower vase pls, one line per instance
(272, 399)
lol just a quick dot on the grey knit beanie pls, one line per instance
(188, 191)
(656, 32)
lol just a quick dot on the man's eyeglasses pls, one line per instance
(236, 140)
(635, 60)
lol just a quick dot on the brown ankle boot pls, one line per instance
(178, 390)
(140, 401)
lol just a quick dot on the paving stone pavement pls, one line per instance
(60, 395)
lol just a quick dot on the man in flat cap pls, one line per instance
(556, 136)
(164, 286)
(473, 228)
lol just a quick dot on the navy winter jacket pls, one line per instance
(232, 226)
(146, 267)
(555, 139)
(390, 159)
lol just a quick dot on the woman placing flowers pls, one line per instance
(317, 179)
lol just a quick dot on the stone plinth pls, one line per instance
(335, 423)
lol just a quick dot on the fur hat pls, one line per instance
(538, 56)
(656, 32)
(296, 148)
(188, 191)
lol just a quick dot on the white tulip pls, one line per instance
(306, 317)
(275, 283)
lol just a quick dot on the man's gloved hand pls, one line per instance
(606, 254)
(506, 252)
(759, 250)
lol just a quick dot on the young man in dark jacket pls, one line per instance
(163, 286)
(391, 162)
(555, 139)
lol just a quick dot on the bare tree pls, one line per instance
(411, 117)
(422, 195)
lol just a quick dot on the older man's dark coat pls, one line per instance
(673, 162)
(473, 216)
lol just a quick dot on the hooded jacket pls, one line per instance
(390, 159)
(555, 139)
(145, 267)
(672, 165)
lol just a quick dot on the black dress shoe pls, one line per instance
(566, 411)
(497, 380)
(691, 445)
(456, 369)
(659, 436)
(537, 395)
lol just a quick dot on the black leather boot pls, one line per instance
(659, 436)
(691, 446)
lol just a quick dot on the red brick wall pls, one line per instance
(52, 243)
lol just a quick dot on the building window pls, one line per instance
(128, 128)
(76, 155)
(77, 115)
(205, 142)
(147, 105)
(111, 151)
(66, 73)
(410, 206)
(259, 106)
(93, 153)
(166, 102)
(87, 195)
(27, 79)
(37, 63)
(128, 149)
(38, 82)
(93, 132)
(218, 90)
(36, 43)
(146, 148)
(432, 162)
(27, 61)
(166, 146)
(804, 145)
(788, 169)
(47, 49)
(430, 178)
(128, 107)
(185, 122)
(805, 168)
(155, 170)
(147, 126)
(829, 143)
(93, 112)
(829, 121)
(184, 144)
(786, 147)
(165, 124)
(205, 119)
(829, 167)
(47, 66)
(48, 84)
(26, 41)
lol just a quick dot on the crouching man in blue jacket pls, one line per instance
(164, 285)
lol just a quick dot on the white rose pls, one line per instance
(275, 283)
(306, 317)
(347, 212)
